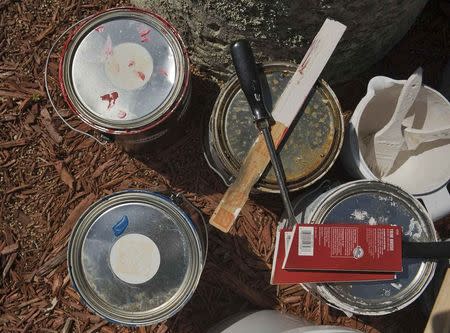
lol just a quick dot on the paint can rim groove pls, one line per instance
(323, 203)
(197, 250)
(172, 101)
(226, 165)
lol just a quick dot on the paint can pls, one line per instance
(271, 321)
(135, 257)
(371, 202)
(423, 172)
(312, 145)
(125, 72)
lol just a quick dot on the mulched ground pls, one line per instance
(49, 175)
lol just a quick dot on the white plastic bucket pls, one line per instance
(423, 172)
(271, 321)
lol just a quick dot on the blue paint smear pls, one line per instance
(120, 226)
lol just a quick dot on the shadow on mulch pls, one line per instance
(427, 44)
(230, 284)
(179, 158)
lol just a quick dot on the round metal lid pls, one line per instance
(135, 257)
(366, 202)
(123, 69)
(309, 150)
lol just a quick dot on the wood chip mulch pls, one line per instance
(49, 175)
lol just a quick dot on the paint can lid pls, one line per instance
(123, 69)
(373, 202)
(312, 145)
(135, 257)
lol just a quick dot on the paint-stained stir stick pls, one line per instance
(286, 108)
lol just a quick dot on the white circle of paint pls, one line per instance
(134, 258)
(129, 66)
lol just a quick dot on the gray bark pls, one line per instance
(283, 29)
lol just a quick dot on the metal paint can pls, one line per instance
(312, 145)
(371, 202)
(136, 257)
(125, 72)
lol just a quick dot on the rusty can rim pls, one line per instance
(218, 153)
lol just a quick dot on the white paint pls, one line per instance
(414, 229)
(236, 212)
(423, 171)
(134, 258)
(415, 137)
(362, 215)
(129, 66)
(307, 73)
(388, 141)
(397, 286)
(359, 215)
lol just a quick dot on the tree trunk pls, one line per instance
(283, 29)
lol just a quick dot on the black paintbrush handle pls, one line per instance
(426, 250)
(248, 75)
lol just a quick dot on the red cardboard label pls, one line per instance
(283, 276)
(345, 247)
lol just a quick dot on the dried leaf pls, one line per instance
(10, 249)
(72, 218)
(48, 124)
(66, 177)
(99, 171)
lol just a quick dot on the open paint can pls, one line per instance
(423, 171)
(125, 72)
(135, 257)
(310, 149)
(372, 202)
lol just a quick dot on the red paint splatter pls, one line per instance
(111, 98)
(108, 49)
(141, 75)
(100, 28)
(121, 114)
(131, 63)
(163, 72)
(143, 33)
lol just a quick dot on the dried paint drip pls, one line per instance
(113, 55)
(129, 66)
(108, 49)
(373, 203)
(141, 75)
(144, 31)
(362, 215)
(163, 72)
(111, 98)
(359, 215)
(414, 230)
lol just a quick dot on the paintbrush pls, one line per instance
(389, 141)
